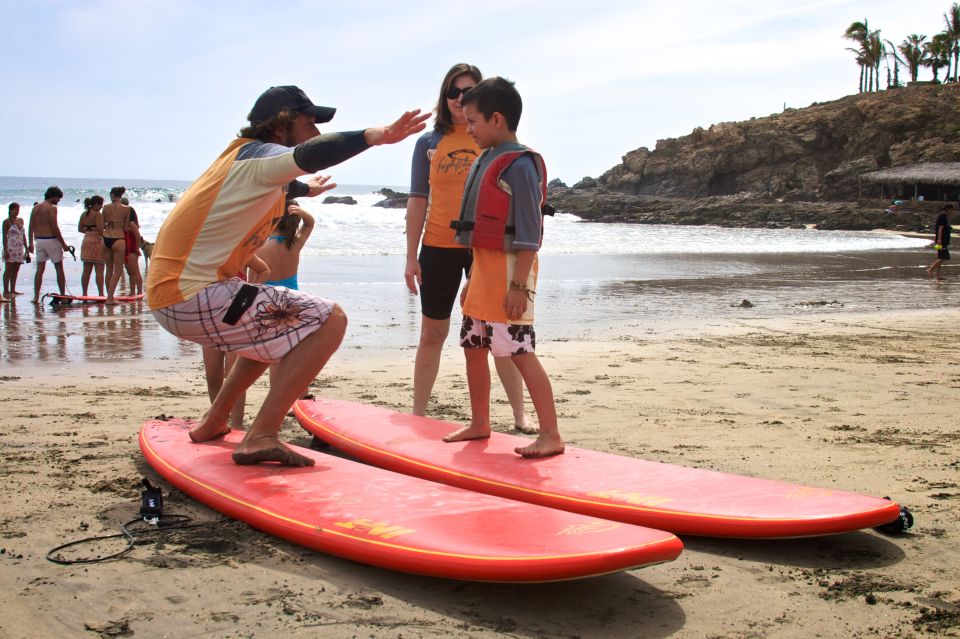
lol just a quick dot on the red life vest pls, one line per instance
(484, 219)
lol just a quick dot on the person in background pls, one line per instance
(92, 249)
(131, 258)
(217, 363)
(441, 160)
(47, 240)
(941, 244)
(14, 250)
(116, 222)
(281, 253)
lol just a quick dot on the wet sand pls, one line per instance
(865, 402)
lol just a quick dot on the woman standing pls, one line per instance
(92, 250)
(14, 250)
(441, 161)
(116, 223)
(131, 258)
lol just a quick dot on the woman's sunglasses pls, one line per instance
(455, 92)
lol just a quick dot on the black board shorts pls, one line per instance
(442, 270)
(943, 254)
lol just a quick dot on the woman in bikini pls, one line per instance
(116, 222)
(92, 250)
(131, 259)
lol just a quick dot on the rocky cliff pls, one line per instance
(795, 167)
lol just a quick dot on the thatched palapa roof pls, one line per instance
(940, 173)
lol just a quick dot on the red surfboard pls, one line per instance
(395, 521)
(93, 299)
(676, 498)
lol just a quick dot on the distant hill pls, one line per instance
(791, 168)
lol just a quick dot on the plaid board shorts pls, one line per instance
(503, 340)
(278, 319)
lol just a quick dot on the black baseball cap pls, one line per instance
(276, 99)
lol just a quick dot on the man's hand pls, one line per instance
(406, 125)
(413, 275)
(319, 184)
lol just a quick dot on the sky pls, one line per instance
(144, 89)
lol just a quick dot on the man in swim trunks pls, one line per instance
(46, 239)
(220, 221)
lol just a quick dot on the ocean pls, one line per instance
(595, 278)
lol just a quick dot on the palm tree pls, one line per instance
(914, 51)
(875, 53)
(858, 32)
(952, 20)
(894, 60)
(938, 54)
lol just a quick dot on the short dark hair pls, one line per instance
(53, 191)
(444, 120)
(266, 131)
(117, 192)
(496, 95)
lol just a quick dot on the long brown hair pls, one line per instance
(444, 121)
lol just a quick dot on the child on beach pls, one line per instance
(14, 250)
(499, 294)
(281, 252)
(217, 363)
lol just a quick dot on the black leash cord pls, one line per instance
(164, 523)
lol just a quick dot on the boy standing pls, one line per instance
(941, 228)
(501, 220)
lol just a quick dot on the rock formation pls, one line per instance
(791, 169)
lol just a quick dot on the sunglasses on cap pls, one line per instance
(455, 92)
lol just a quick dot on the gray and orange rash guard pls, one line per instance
(228, 212)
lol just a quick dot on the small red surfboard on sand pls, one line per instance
(676, 498)
(56, 298)
(395, 521)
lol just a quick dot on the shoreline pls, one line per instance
(864, 402)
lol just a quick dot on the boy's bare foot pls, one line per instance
(205, 432)
(527, 426)
(467, 433)
(544, 446)
(273, 451)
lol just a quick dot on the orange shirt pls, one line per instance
(450, 163)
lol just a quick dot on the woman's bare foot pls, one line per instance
(206, 431)
(467, 433)
(111, 302)
(527, 426)
(544, 446)
(268, 449)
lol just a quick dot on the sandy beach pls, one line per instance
(859, 402)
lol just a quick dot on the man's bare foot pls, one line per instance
(467, 433)
(111, 302)
(206, 432)
(17, 293)
(280, 454)
(544, 446)
(527, 426)
(34, 301)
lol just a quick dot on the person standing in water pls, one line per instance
(47, 240)
(116, 223)
(14, 250)
(92, 249)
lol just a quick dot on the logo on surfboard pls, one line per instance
(379, 529)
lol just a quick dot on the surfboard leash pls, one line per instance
(151, 514)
